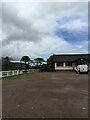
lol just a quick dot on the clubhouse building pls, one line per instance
(70, 61)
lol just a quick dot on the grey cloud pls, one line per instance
(17, 28)
(19, 31)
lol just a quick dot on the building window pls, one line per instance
(59, 63)
(68, 63)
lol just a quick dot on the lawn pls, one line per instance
(45, 95)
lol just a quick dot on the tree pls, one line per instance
(50, 63)
(26, 60)
(39, 61)
(6, 63)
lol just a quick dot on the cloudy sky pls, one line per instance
(40, 29)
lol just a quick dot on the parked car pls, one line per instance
(81, 69)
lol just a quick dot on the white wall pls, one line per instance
(64, 67)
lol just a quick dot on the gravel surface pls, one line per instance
(45, 95)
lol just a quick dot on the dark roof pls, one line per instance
(70, 57)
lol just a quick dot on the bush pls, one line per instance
(46, 68)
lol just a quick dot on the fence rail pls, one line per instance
(10, 73)
(15, 72)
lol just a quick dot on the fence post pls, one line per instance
(17, 72)
(12, 73)
(7, 73)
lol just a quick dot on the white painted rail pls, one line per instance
(15, 72)
(10, 73)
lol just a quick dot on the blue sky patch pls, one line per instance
(72, 37)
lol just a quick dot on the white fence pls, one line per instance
(10, 73)
(15, 72)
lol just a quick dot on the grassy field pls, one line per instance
(45, 95)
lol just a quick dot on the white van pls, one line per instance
(82, 69)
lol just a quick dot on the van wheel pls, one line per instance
(76, 72)
(79, 72)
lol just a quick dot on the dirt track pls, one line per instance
(46, 95)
